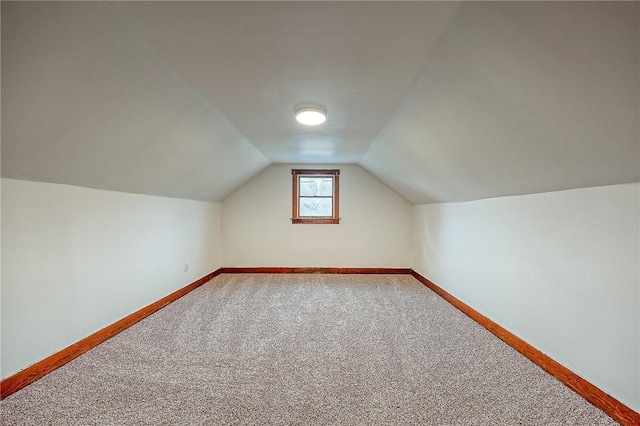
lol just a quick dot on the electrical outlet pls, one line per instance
(186, 266)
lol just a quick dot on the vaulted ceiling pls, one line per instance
(443, 101)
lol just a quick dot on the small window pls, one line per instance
(315, 196)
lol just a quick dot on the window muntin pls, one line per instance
(315, 196)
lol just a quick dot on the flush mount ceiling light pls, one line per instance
(311, 115)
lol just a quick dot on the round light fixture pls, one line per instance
(311, 115)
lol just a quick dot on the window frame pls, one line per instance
(295, 201)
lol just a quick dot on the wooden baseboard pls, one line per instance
(40, 369)
(611, 406)
(313, 270)
(614, 408)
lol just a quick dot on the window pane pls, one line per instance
(316, 206)
(318, 186)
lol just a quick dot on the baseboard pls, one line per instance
(611, 406)
(40, 369)
(314, 270)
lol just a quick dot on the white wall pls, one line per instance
(560, 270)
(75, 260)
(374, 230)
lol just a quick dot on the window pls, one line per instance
(315, 196)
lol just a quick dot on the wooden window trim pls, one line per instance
(295, 200)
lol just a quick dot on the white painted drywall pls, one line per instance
(89, 101)
(559, 269)
(374, 230)
(518, 98)
(75, 260)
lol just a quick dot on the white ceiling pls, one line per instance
(443, 101)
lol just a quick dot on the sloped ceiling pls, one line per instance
(519, 98)
(87, 101)
(443, 101)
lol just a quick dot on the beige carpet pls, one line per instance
(302, 349)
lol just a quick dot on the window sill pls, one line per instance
(316, 220)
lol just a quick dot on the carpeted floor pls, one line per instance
(302, 349)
